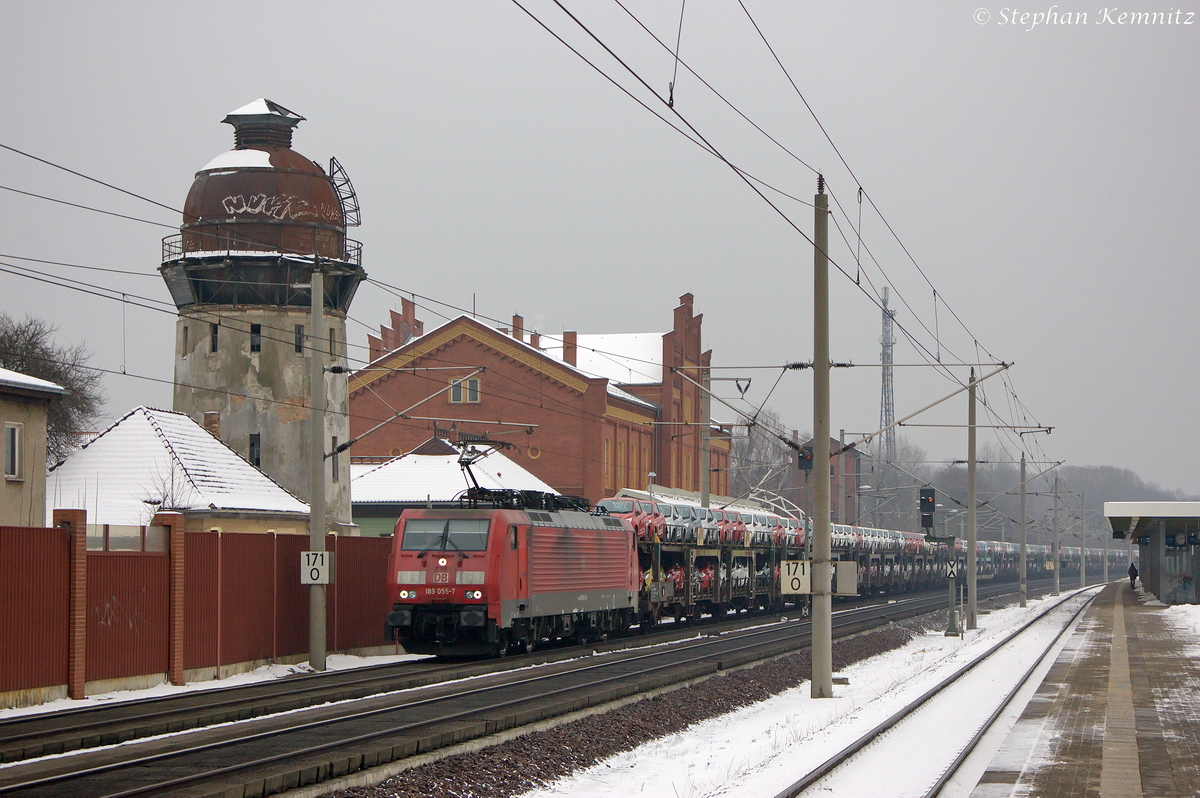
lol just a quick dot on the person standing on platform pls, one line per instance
(1133, 575)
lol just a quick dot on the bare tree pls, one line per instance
(892, 501)
(759, 460)
(28, 347)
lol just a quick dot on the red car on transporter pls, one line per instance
(485, 580)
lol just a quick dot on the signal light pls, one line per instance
(804, 458)
(928, 500)
(928, 504)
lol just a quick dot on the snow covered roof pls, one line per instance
(239, 159)
(164, 457)
(15, 379)
(436, 477)
(263, 106)
(613, 390)
(621, 357)
(1152, 509)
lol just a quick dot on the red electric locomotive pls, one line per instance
(488, 579)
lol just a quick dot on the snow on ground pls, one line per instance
(334, 662)
(1186, 619)
(762, 749)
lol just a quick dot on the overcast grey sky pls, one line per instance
(1042, 177)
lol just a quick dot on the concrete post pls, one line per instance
(972, 507)
(822, 619)
(1106, 534)
(1082, 544)
(174, 522)
(74, 522)
(316, 502)
(1055, 548)
(1024, 579)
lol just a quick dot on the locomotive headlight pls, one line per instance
(408, 594)
(442, 562)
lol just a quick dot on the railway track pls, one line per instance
(408, 711)
(971, 696)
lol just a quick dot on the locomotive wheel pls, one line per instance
(502, 645)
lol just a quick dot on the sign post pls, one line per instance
(952, 629)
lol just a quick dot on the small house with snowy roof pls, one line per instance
(24, 403)
(158, 460)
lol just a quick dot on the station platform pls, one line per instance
(1117, 715)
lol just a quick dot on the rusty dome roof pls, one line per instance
(263, 196)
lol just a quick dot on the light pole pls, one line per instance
(858, 503)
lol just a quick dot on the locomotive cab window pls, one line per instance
(445, 534)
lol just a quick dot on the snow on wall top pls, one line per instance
(15, 379)
(164, 457)
(437, 477)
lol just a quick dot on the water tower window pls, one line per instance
(212, 337)
(255, 337)
(332, 342)
(299, 338)
(333, 458)
(184, 342)
(255, 457)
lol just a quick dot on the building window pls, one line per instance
(464, 391)
(299, 338)
(212, 337)
(255, 337)
(184, 343)
(608, 478)
(12, 451)
(622, 479)
(255, 457)
(332, 342)
(333, 458)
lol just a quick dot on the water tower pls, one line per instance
(256, 222)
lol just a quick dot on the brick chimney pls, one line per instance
(518, 328)
(212, 422)
(535, 340)
(570, 346)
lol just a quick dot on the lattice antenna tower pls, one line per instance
(887, 401)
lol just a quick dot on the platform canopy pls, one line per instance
(1133, 519)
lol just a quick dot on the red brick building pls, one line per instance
(589, 414)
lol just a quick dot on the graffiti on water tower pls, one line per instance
(284, 206)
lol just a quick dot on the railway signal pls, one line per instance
(804, 458)
(928, 504)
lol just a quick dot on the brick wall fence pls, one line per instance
(77, 622)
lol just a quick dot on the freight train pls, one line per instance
(504, 570)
